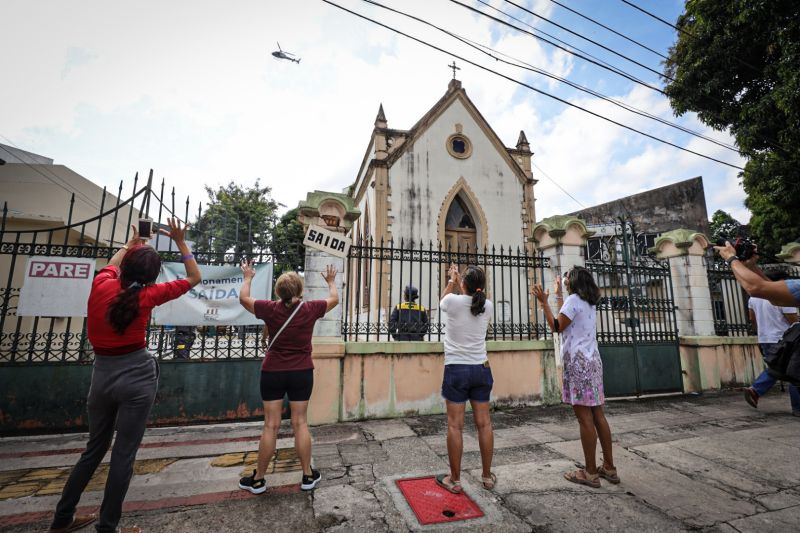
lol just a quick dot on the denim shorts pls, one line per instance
(467, 382)
(794, 288)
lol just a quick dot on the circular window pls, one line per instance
(459, 146)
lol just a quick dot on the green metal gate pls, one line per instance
(637, 328)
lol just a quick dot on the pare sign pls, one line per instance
(327, 241)
(56, 286)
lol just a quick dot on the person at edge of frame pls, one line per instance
(770, 322)
(755, 283)
(125, 374)
(582, 370)
(287, 368)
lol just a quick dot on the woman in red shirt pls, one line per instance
(287, 368)
(125, 374)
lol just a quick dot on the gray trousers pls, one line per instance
(122, 392)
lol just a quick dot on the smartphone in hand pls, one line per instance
(145, 228)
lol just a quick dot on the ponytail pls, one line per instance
(475, 283)
(125, 308)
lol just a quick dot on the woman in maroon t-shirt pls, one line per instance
(125, 374)
(287, 368)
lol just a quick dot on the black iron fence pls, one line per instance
(378, 275)
(56, 339)
(729, 301)
(637, 303)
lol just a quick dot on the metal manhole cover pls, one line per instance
(434, 505)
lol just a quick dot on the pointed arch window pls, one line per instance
(458, 215)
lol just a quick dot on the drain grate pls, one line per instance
(434, 505)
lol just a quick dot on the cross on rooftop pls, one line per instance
(454, 67)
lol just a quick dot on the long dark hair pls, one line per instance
(581, 282)
(139, 267)
(475, 283)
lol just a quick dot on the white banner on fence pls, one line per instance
(56, 286)
(215, 301)
(335, 244)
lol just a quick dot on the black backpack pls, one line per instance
(785, 365)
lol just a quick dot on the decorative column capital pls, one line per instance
(681, 242)
(331, 210)
(560, 229)
(790, 253)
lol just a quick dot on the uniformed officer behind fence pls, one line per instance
(409, 320)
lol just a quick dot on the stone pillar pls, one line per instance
(790, 253)
(335, 212)
(684, 249)
(562, 239)
(316, 288)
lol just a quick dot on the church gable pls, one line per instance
(453, 181)
(443, 109)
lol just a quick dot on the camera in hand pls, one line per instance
(745, 248)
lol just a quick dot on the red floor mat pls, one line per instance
(434, 505)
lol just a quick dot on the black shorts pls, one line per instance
(297, 384)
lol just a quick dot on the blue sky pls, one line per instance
(189, 88)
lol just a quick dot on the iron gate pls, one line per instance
(637, 328)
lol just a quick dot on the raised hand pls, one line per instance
(177, 232)
(541, 294)
(248, 269)
(557, 285)
(726, 252)
(135, 240)
(454, 275)
(329, 275)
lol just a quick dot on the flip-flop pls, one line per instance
(609, 475)
(449, 485)
(489, 482)
(588, 479)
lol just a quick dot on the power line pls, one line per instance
(600, 64)
(773, 143)
(532, 88)
(604, 47)
(532, 68)
(668, 23)
(683, 31)
(614, 68)
(557, 184)
(612, 30)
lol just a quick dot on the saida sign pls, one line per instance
(327, 241)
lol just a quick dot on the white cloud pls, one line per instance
(190, 89)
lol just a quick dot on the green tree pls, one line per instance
(288, 244)
(724, 226)
(737, 65)
(238, 220)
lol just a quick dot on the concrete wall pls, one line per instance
(714, 363)
(351, 381)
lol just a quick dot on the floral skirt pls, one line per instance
(583, 379)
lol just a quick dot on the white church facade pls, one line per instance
(448, 179)
(446, 183)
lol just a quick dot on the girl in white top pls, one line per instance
(583, 370)
(467, 375)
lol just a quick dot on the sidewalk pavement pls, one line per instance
(687, 463)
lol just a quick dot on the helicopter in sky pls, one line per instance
(280, 54)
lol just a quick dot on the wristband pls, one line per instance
(730, 260)
(187, 257)
(125, 247)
